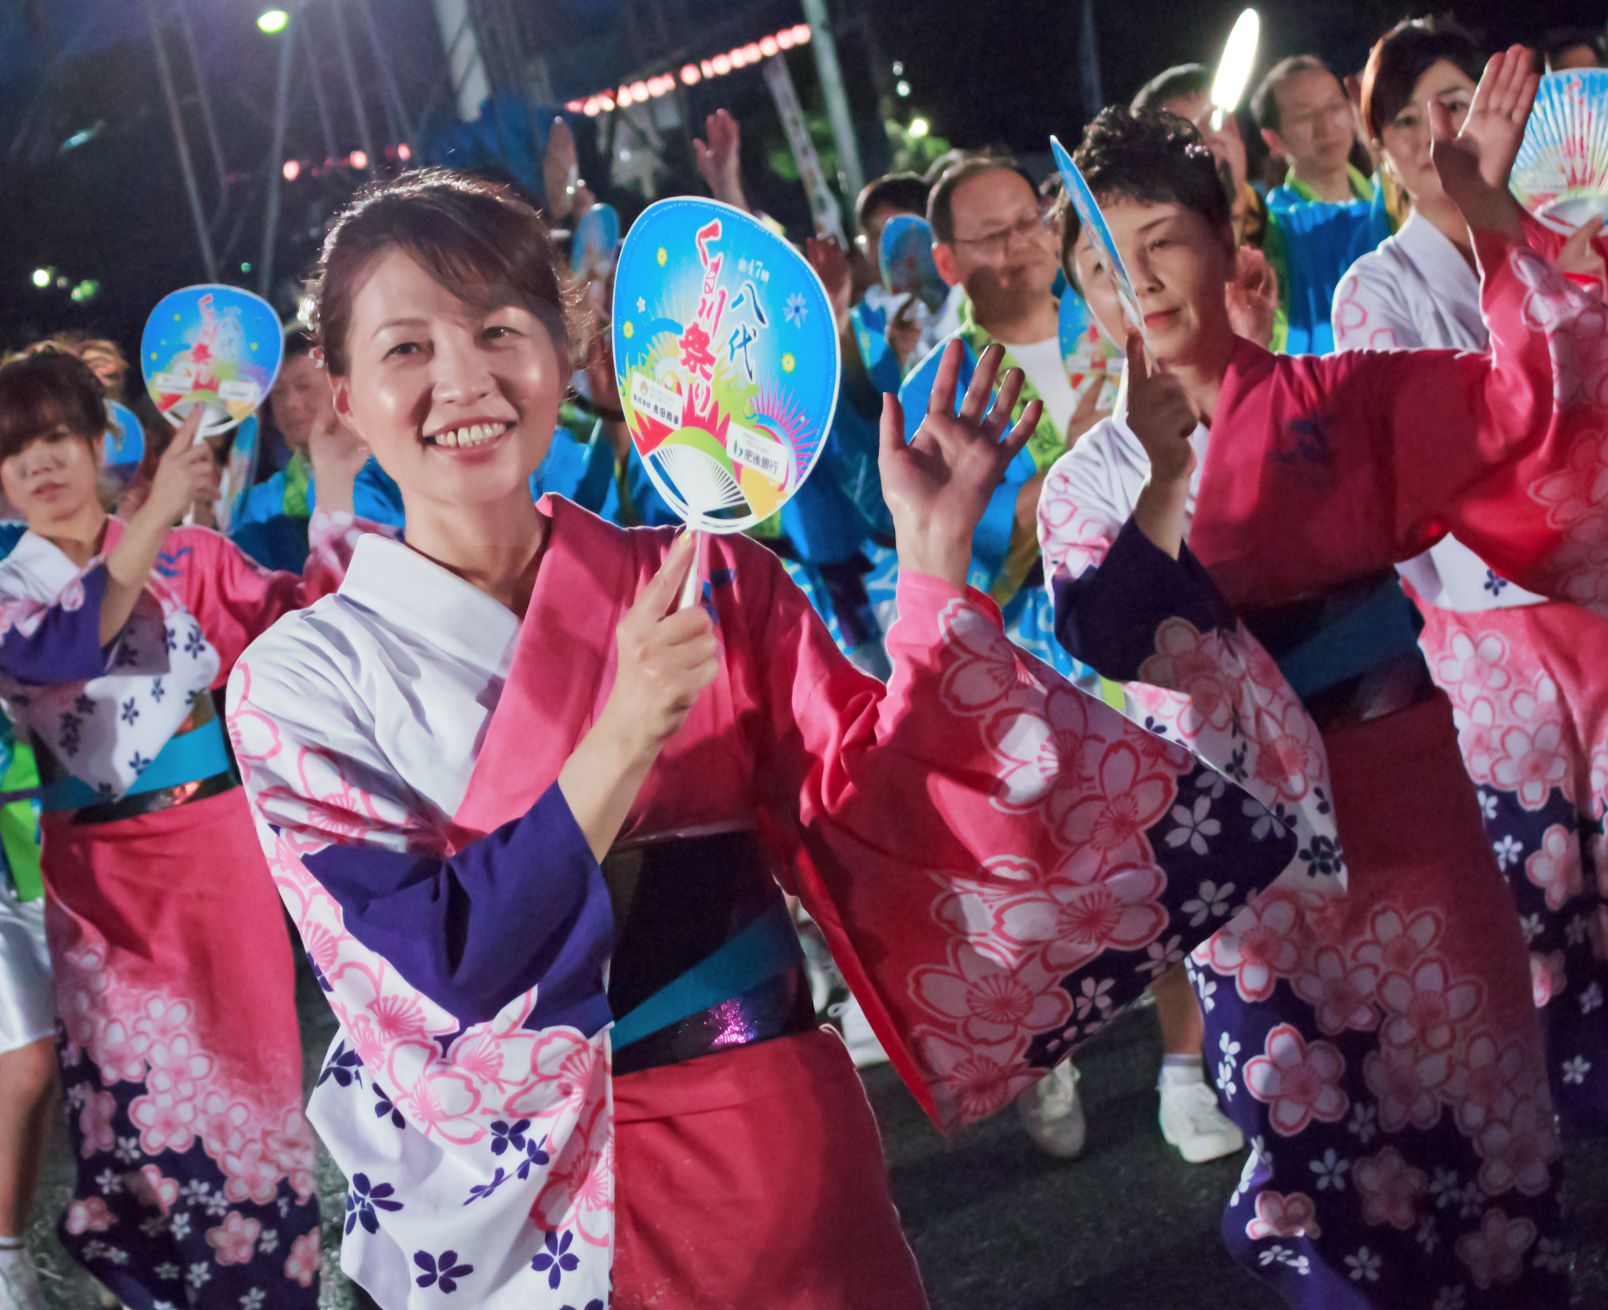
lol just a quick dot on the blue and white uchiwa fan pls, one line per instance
(1561, 171)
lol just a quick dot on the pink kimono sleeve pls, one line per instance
(999, 861)
(236, 599)
(1529, 492)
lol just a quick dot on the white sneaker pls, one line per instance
(19, 1283)
(1052, 1112)
(1191, 1121)
(864, 1048)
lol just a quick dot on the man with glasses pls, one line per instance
(990, 239)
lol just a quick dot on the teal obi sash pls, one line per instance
(1381, 626)
(193, 756)
(765, 949)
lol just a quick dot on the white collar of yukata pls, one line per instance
(1432, 250)
(415, 595)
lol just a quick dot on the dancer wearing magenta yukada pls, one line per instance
(179, 1050)
(1528, 691)
(1380, 1048)
(999, 862)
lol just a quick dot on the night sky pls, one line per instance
(998, 73)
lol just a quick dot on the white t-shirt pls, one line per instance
(1041, 361)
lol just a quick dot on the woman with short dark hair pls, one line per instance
(180, 1056)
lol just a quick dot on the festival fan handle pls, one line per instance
(693, 583)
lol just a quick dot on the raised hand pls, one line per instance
(1475, 162)
(1160, 415)
(1579, 258)
(336, 454)
(560, 171)
(186, 474)
(904, 330)
(665, 659)
(831, 264)
(718, 156)
(602, 383)
(1253, 296)
(938, 484)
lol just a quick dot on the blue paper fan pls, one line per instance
(1090, 358)
(1099, 230)
(1561, 171)
(905, 254)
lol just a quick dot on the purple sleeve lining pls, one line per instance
(64, 645)
(525, 906)
(1108, 615)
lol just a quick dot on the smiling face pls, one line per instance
(1407, 139)
(1002, 252)
(1179, 263)
(51, 480)
(456, 398)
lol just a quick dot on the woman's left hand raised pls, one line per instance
(1474, 163)
(938, 484)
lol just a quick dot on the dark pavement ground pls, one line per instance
(995, 1223)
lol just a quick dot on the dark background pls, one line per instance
(1003, 74)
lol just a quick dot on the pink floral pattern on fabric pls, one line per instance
(1392, 1191)
(140, 1035)
(1574, 494)
(1280, 1215)
(1355, 328)
(1220, 693)
(1494, 1253)
(1299, 1080)
(456, 1087)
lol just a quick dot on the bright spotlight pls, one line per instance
(919, 127)
(42, 278)
(273, 21)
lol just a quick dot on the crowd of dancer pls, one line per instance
(1256, 668)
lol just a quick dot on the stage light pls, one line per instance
(88, 289)
(273, 21)
(404, 152)
(919, 127)
(42, 277)
(292, 170)
(692, 72)
(358, 159)
(903, 88)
